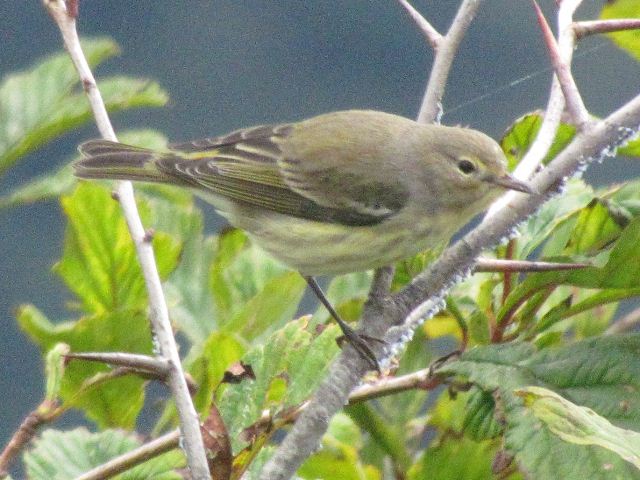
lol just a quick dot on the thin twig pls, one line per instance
(573, 99)
(510, 266)
(586, 28)
(124, 462)
(158, 312)
(154, 365)
(430, 34)
(447, 48)
(45, 413)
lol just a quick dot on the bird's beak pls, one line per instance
(511, 183)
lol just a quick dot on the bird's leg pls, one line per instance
(359, 342)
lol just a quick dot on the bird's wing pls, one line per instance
(246, 166)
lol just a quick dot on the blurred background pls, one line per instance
(233, 63)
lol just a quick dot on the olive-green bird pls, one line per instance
(341, 192)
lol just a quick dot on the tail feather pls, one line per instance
(113, 160)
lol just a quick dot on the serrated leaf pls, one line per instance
(539, 453)
(292, 354)
(628, 40)
(601, 373)
(479, 422)
(99, 263)
(115, 402)
(38, 105)
(59, 455)
(580, 425)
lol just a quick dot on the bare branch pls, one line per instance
(586, 28)
(157, 366)
(447, 48)
(135, 457)
(46, 412)
(499, 265)
(575, 105)
(159, 315)
(430, 34)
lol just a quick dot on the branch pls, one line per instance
(157, 366)
(46, 412)
(135, 457)
(430, 34)
(584, 29)
(500, 265)
(447, 48)
(64, 14)
(575, 105)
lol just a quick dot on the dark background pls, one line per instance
(229, 64)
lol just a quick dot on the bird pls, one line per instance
(340, 192)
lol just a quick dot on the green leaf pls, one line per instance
(631, 149)
(459, 458)
(58, 455)
(112, 402)
(275, 304)
(628, 40)
(382, 431)
(601, 373)
(595, 228)
(218, 352)
(621, 271)
(339, 457)
(479, 422)
(251, 290)
(43, 103)
(99, 263)
(293, 360)
(521, 134)
(550, 217)
(580, 425)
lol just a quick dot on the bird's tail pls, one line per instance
(113, 160)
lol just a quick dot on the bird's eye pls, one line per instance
(466, 166)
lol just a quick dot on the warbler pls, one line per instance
(340, 192)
